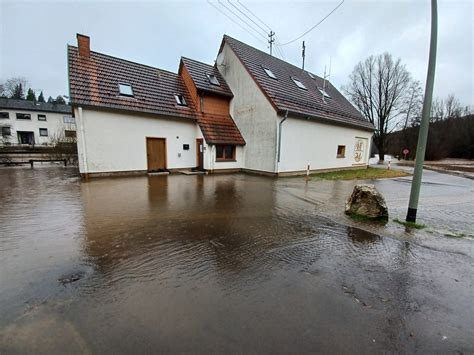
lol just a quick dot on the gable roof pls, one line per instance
(26, 105)
(94, 80)
(198, 70)
(285, 95)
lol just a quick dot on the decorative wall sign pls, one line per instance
(359, 149)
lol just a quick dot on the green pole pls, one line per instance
(425, 118)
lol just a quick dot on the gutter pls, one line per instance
(279, 137)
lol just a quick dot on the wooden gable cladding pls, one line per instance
(188, 81)
(214, 104)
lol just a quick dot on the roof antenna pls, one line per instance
(303, 52)
(328, 77)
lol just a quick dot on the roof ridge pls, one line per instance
(197, 61)
(128, 61)
(268, 55)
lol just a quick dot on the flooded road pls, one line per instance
(228, 264)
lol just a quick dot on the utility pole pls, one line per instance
(303, 52)
(425, 118)
(271, 40)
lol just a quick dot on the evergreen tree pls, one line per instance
(41, 97)
(18, 92)
(60, 100)
(31, 96)
(50, 100)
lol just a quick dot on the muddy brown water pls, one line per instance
(225, 263)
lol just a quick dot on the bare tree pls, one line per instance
(448, 108)
(378, 87)
(8, 87)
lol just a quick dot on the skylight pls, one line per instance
(180, 100)
(299, 83)
(311, 75)
(325, 94)
(212, 79)
(270, 73)
(125, 89)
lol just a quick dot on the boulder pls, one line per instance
(366, 201)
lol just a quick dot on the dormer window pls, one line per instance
(125, 90)
(270, 73)
(180, 100)
(213, 80)
(299, 83)
(325, 94)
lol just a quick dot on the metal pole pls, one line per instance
(425, 118)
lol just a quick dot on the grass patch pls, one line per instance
(410, 224)
(359, 218)
(360, 174)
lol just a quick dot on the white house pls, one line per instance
(28, 122)
(249, 112)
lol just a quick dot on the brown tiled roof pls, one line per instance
(285, 95)
(94, 82)
(220, 129)
(198, 72)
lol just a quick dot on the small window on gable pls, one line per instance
(4, 115)
(41, 117)
(325, 94)
(23, 116)
(213, 80)
(180, 100)
(125, 90)
(270, 73)
(299, 83)
(341, 151)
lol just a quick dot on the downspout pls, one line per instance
(279, 138)
(83, 138)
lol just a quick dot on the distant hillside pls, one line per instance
(450, 138)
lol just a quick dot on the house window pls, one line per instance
(180, 100)
(69, 134)
(225, 152)
(299, 83)
(341, 151)
(325, 94)
(69, 120)
(125, 90)
(270, 73)
(43, 132)
(41, 117)
(213, 80)
(23, 116)
(4, 115)
(6, 131)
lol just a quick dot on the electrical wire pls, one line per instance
(316, 25)
(258, 18)
(238, 24)
(223, 5)
(264, 30)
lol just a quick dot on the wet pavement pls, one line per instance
(230, 264)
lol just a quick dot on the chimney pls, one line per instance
(83, 43)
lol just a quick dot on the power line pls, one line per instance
(264, 30)
(258, 18)
(240, 18)
(238, 24)
(316, 25)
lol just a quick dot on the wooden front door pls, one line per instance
(200, 153)
(156, 153)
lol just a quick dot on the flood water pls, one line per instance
(222, 264)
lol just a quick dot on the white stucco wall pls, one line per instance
(117, 141)
(305, 142)
(54, 123)
(253, 114)
(211, 164)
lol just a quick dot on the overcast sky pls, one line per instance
(34, 34)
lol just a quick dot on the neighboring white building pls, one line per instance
(35, 123)
(249, 112)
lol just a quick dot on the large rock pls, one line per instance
(366, 201)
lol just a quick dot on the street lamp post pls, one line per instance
(425, 118)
